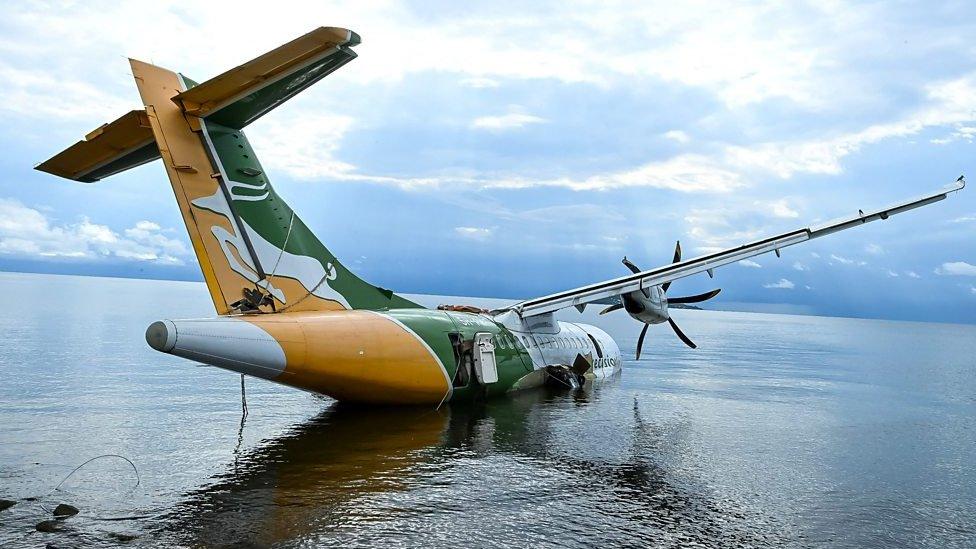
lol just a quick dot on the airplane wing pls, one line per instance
(602, 291)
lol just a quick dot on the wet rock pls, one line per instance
(65, 510)
(124, 538)
(6, 504)
(48, 526)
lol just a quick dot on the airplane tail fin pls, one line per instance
(255, 253)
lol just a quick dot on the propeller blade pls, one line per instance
(681, 335)
(640, 340)
(612, 308)
(633, 268)
(695, 298)
(677, 258)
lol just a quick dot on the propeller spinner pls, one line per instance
(650, 305)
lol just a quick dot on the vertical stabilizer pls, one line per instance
(255, 253)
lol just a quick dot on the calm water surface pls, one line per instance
(780, 431)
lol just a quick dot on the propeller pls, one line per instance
(675, 300)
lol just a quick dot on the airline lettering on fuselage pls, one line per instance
(608, 362)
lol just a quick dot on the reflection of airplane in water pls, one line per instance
(355, 476)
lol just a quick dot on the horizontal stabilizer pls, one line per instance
(112, 148)
(245, 93)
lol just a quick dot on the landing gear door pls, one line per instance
(484, 358)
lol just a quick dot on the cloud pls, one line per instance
(27, 233)
(874, 249)
(303, 145)
(964, 219)
(782, 209)
(949, 102)
(479, 82)
(778, 208)
(892, 274)
(797, 266)
(972, 290)
(750, 263)
(474, 233)
(956, 268)
(847, 261)
(781, 284)
(912, 274)
(677, 136)
(965, 133)
(510, 121)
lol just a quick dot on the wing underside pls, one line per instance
(603, 291)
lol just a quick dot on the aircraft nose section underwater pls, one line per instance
(228, 343)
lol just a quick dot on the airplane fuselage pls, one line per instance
(397, 356)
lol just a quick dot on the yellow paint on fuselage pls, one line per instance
(359, 356)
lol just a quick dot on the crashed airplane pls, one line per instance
(290, 312)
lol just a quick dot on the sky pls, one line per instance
(511, 149)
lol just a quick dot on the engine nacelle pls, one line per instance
(650, 307)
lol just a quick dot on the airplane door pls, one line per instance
(484, 358)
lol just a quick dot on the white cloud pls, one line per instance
(781, 284)
(304, 148)
(892, 274)
(778, 208)
(750, 263)
(815, 255)
(677, 136)
(28, 233)
(303, 145)
(964, 219)
(741, 55)
(782, 209)
(956, 268)
(684, 173)
(797, 266)
(510, 121)
(474, 233)
(479, 82)
(949, 102)
(964, 133)
(912, 274)
(874, 249)
(972, 290)
(846, 261)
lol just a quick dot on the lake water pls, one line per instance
(779, 431)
